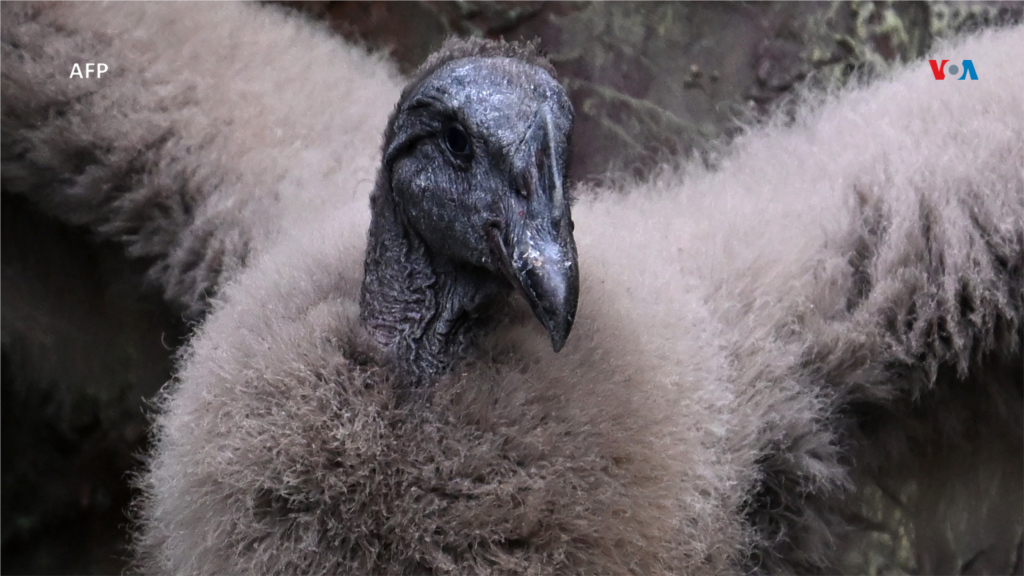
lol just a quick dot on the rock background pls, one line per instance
(656, 80)
(84, 343)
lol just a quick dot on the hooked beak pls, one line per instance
(537, 252)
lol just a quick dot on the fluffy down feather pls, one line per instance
(699, 413)
(751, 340)
(208, 136)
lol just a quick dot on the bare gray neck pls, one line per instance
(422, 309)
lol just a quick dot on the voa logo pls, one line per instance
(939, 70)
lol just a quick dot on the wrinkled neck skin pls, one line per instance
(424, 311)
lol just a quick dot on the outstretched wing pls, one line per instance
(207, 134)
(865, 264)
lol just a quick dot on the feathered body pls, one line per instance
(754, 343)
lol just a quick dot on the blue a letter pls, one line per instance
(969, 68)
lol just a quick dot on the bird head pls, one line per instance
(476, 155)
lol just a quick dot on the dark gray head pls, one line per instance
(475, 159)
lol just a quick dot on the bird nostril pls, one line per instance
(523, 187)
(524, 183)
(492, 231)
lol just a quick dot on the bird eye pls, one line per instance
(457, 142)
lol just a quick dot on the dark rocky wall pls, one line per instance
(651, 80)
(84, 343)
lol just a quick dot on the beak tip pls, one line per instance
(558, 342)
(558, 337)
(556, 311)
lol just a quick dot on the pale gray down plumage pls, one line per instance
(832, 312)
(203, 135)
